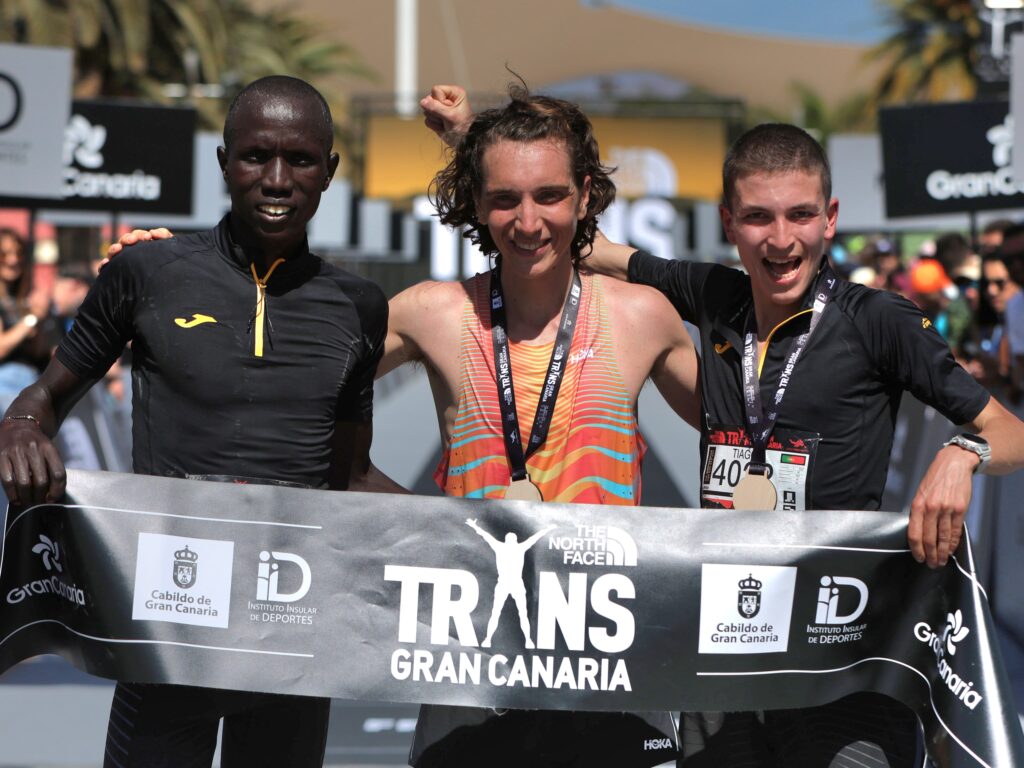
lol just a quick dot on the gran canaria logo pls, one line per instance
(49, 552)
(946, 644)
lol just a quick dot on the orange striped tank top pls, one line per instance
(593, 449)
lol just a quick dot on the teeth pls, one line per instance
(782, 268)
(528, 246)
(275, 210)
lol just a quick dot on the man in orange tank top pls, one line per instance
(536, 341)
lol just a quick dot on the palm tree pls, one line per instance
(812, 113)
(932, 54)
(136, 48)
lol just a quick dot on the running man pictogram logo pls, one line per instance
(509, 557)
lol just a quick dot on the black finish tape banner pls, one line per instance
(503, 604)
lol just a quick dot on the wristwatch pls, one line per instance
(974, 444)
(30, 321)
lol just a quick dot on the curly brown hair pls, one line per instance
(526, 118)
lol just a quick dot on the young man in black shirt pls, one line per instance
(835, 402)
(251, 358)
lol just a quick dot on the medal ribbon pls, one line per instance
(552, 382)
(760, 424)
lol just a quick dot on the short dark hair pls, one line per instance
(951, 249)
(1012, 248)
(280, 87)
(997, 225)
(526, 118)
(774, 148)
(83, 273)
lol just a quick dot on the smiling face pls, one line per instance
(781, 224)
(276, 167)
(12, 259)
(531, 205)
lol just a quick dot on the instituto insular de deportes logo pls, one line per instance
(566, 651)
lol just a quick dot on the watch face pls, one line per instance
(980, 441)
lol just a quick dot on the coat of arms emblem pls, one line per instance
(748, 601)
(185, 567)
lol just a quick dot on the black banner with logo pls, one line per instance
(948, 158)
(128, 158)
(417, 599)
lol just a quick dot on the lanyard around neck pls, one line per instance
(552, 382)
(760, 424)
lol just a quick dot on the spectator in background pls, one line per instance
(992, 365)
(937, 296)
(991, 237)
(884, 259)
(72, 284)
(1012, 254)
(22, 351)
(962, 265)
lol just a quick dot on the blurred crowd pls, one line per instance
(970, 291)
(37, 308)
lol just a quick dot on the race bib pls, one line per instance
(790, 458)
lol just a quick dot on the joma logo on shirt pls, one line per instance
(181, 322)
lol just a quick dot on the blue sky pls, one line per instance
(848, 21)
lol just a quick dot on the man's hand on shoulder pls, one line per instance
(447, 113)
(608, 258)
(137, 236)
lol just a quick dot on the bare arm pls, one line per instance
(406, 313)
(31, 469)
(351, 468)
(404, 316)
(447, 113)
(423, 325)
(675, 371)
(940, 504)
(608, 258)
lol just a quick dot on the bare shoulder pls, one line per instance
(426, 302)
(632, 303)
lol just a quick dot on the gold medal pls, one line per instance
(523, 490)
(754, 492)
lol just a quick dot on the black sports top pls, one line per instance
(835, 428)
(207, 400)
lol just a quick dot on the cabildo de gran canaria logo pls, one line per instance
(946, 644)
(54, 583)
(568, 653)
(182, 580)
(745, 609)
